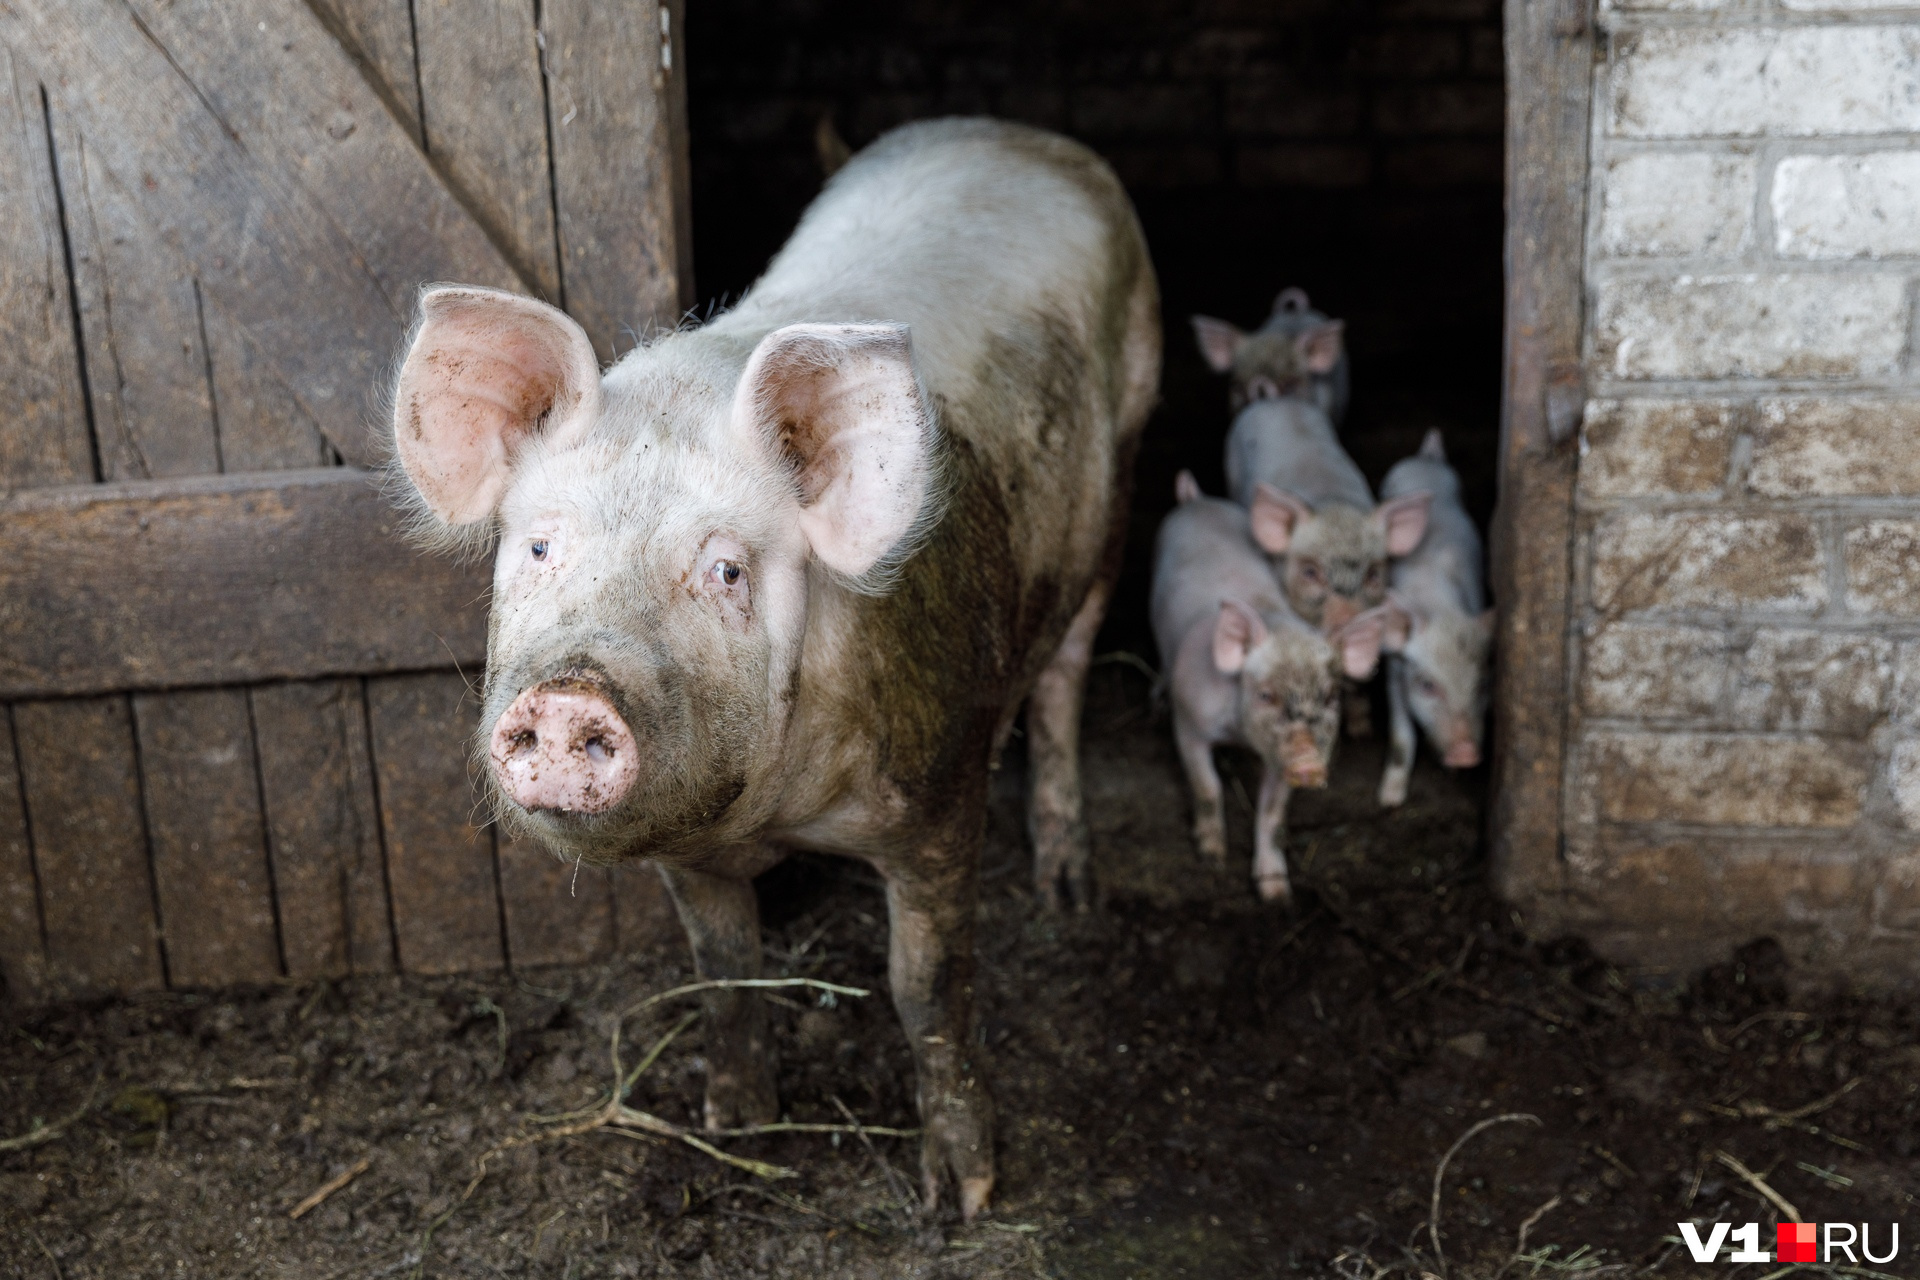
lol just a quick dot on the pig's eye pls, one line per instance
(1266, 697)
(725, 572)
(1310, 573)
(539, 549)
(1427, 688)
(1373, 575)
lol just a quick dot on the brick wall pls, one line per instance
(1349, 146)
(1745, 735)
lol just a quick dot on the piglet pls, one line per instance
(1438, 674)
(1243, 669)
(1297, 352)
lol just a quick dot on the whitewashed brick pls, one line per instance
(1883, 567)
(1725, 779)
(1835, 446)
(1767, 81)
(1706, 560)
(1858, 206)
(1838, 6)
(1751, 326)
(1629, 670)
(1638, 447)
(1678, 205)
(1821, 682)
(1903, 778)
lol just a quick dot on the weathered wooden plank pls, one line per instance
(140, 322)
(616, 100)
(43, 434)
(486, 125)
(262, 424)
(210, 872)
(89, 839)
(267, 163)
(323, 828)
(1549, 74)
(440, 864)
(221, 580)
(23, 950)
(380, 34)
(556, 913)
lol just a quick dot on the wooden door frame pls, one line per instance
(1550, 67)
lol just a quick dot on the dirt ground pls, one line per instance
(1188, 1085)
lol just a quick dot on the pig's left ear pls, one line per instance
(485, 372)
(1404, 520)
(1398, 623)
(844, 409)
(1320, 347)
(1219, 342)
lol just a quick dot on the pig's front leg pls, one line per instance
(1056, 820)
(722, 919)
(1209, 817)
(1270, 836)
(930, 963)
(1400, 742)
(1356, 710)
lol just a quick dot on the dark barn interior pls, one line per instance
(1353, 149)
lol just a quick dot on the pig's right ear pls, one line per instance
(1185, 488)
(1321, 347)
(1219, 342)
(1359, 643)
(843, 408)
(1275, 516)
(1237, 632)
(486, 371)
(1399, 622)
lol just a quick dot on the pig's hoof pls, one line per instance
(1061, 854)
(957, 1148)
(1212, 842)
(1393, 791)
(1274, 887)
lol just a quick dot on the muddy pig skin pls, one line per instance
(1243, 669)
(1438, 672)
(782, 581)
(1313, 512)
(1298, 352)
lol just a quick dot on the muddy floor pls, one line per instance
(1188, 1084)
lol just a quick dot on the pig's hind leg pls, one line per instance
(1056, 820)
(722, 919)
(1270, 838)
(1400, 742)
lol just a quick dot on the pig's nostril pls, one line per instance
(524, 740)
(598, 750)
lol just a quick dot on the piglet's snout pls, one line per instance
(1462, 754)
(1305, 766)
(561, 746)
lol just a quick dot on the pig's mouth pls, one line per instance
(1306, 767)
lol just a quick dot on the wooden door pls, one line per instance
(237, 712)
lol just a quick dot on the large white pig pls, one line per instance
(1243, 669)
(783, 581)
(1439, 674)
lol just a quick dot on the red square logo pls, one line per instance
(1796, 1242)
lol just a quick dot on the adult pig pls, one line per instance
(1298, 352)
(1439, 674)
(1243, 669)
(782, 582)
(1314, 513)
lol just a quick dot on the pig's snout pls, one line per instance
(1461, 754)
(1336, 613)
(561, 746)
(1305, 766)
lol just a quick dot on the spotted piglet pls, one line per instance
(1438, 672)
(1243, 669)
(1298, 351)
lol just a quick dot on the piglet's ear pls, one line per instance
(1219, 342)
(1185, 488)
(1275, 516)
(1404, 521)
(1237, 632)
(1399, 623)
(842, 405)
(1320, 347)
(486, 371)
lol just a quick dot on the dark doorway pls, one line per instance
(1353, 149)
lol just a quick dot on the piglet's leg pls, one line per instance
(1356, 710)
(722, 920)
(1209, 820)
(930, 962)
(1055, 819)
(1400, 743)
(1269, 838)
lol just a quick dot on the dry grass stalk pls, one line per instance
(1440, 1175)
(327, 1188)
(48, 1132)
(1787, 1212)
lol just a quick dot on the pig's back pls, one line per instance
(1205, 554)
(1448, 565)
(1290, 444)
